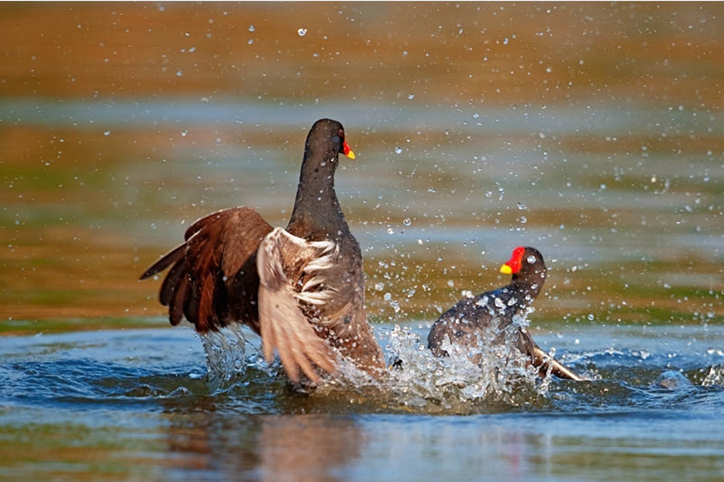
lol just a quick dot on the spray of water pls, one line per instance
(492, 374)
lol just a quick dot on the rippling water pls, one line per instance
(591, 131)
(143, 397)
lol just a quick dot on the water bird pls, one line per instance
(488, 317)
(300, 288)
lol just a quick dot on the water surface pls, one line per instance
(138, 405)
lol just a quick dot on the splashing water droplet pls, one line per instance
(302, 32)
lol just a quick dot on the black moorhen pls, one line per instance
(301, 289)
(470, 319)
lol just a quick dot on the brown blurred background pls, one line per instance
(122, 122)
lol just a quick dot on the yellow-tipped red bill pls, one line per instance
(347, 151)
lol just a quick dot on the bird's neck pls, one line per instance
(316, 208)
(527, 290)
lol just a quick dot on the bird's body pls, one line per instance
(300, 288)
(489, 317)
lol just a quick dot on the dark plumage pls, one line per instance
(301, 289)
(474, 320)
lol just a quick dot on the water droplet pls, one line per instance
(398, 150)
(531, 259)
(302, 32)
(410, 96)
(407, 222)
(390, 231)
(522, 206)
(107, 133)
(251, 28)
(482, 301)
(179, 73)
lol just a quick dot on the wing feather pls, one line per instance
(210, 283)
(285, 328)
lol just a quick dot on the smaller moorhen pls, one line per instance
(488, 316)
(300, 288)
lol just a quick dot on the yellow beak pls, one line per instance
(347, 151)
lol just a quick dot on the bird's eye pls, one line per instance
(341, 133)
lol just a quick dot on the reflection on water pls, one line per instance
(591, 131)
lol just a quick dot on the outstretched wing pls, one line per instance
(213, 279)
(541, 359)
(291, 271)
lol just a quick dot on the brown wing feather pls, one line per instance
(210, 283)
(172, 279)
(176, 305)
(166, 260)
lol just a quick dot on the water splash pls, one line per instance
(715, 377)
(489, 375)
(225, 351)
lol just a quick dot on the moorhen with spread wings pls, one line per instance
(300, 288)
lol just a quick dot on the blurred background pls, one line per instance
(589, 130)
